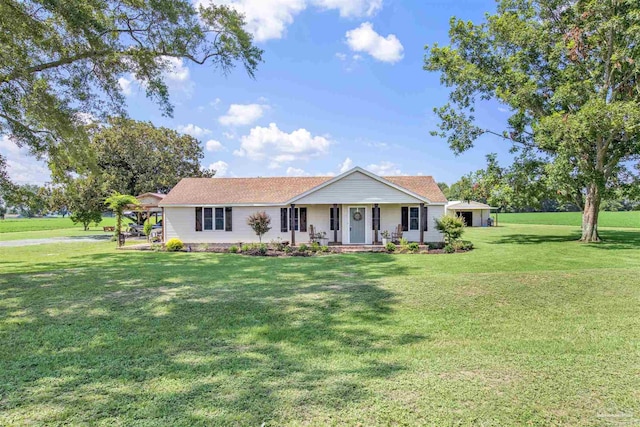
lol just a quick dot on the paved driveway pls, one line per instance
(78, 239)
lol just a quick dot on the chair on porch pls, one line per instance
(397, 234)
(312, 234)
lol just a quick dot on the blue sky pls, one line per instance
(341, 85)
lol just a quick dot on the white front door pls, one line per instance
(357, 227)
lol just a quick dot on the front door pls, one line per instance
(356, 225)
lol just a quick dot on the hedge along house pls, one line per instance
(474, 214)
(352, 208)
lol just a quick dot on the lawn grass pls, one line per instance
(529, 328)
(13, 225)
(605, 219)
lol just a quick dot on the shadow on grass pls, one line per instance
(611, 239)
(194, 338)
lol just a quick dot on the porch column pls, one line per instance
(164, 225)
(335, 223)
(292, 224)
(376, 222)
(423, 221)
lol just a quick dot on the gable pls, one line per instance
(357, 188)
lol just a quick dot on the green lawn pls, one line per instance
(529, 328)
(12, 225)
(605, 219)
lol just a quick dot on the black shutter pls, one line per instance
(331, 219)
(337, 220)
(284, 223)
(405, 218)
(228, 213)
(303, 219)
(198, 219)
(375, 218)
(425, 218)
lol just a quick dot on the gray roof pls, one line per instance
(471, 205)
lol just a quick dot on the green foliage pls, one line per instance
(404, 242)
(568, 73)
(63, 63)
(246, 247)
(449, 249)
(288, 249)
(385, 234)
(147, 227)
(260, 223)
(324, 248)
(303, 248)
(314, 247)
(413, 247)
(233, 249)
(117, 203)
(390, 247)
(83, 196)
(278, 244)
(451, 226)
(174, 245)
(29, 200)
(462, 245)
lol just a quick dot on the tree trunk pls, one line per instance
(590, 215)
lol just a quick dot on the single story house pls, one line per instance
(352, 208)
(475, 214)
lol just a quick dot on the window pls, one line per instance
(208, 218)
(299, 219)
(414, 219)
(334, 222)
(205, 219)
(410, 218)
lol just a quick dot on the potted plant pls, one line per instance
(385, 237)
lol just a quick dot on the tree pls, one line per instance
(137, 157)
(63, 62)
(444, 187)
(570, 73)
(117, 203)
(29, 200)
(260, 223)
(451, 226)
(83, 197)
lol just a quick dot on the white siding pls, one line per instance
(180, 223)
(480, 216)
(355, 189)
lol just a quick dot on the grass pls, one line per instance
(605, 219)
(529, 328)
(13, 225)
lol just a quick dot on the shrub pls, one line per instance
(147, 228)
(451, 226)
(414, 247)
(449, 249)
(315, 247)
(233, 249)
(391, 247)
(462, 245)
(287, 249)
(245, 248)
(436, 245)
(174, 245)
(262, 249)
(303, 248)
(404, 242)
(324, 248)
(278, 244)
(260, 223)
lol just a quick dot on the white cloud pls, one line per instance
(365, 39)
(269, 19)
(220, 167)
(176, 70)
(346, 165)
(278, 147)
(193, 130)
(22, 167)
(242, 114)
(291, 171)
(229, 135)
(502, 110)
(341, 56)
(378, 145)
(125, 85)
(351, 8)
(384, 168)
(213, 145)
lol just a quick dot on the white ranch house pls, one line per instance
(352, 208)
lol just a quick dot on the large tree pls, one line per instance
(569, 71)
(135, 157)
(61, 61)
(83, 197)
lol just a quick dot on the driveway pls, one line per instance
(76, 239)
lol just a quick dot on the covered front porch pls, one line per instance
(359, 224)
